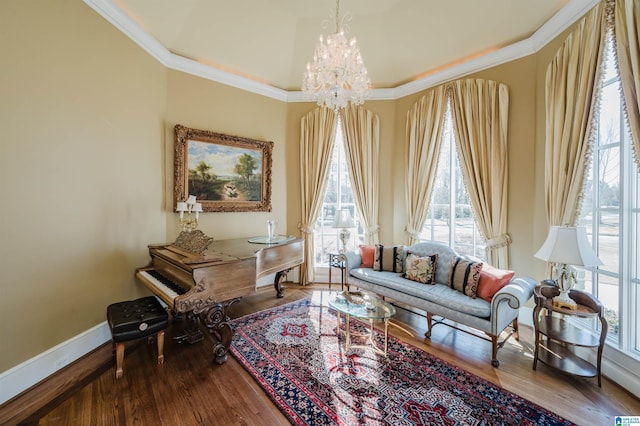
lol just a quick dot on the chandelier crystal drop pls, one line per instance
(337, 74)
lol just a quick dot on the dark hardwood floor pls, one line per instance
(189, 389)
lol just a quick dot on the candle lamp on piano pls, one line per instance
(190, 222)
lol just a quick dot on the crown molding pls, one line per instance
(116, 17)
(189, 66)
(564, 18)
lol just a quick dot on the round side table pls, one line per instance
(556, 337)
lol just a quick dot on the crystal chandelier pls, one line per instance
(337, 74)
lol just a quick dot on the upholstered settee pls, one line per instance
(491, 313)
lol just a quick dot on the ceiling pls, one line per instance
(267, 43)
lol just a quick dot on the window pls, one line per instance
(339, 195)
(451, 200)
(611, 214)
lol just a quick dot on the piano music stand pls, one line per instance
(133, 320)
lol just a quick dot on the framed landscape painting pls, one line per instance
(225, 173)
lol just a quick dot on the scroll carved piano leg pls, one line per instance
(218, 324)
(224, 334)
(277, 283)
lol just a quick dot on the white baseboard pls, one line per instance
(23, 376)
(622, 369)
(617, 367)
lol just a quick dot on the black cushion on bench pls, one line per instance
(135, 319)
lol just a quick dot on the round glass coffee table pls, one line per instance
(365, 307)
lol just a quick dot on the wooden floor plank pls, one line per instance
(191, 389)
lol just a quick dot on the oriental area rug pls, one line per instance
(296, 355)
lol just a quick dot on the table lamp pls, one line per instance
(564, 246)
(344, 220)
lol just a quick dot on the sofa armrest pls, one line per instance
(352, 260)
(507, 302)
(516, 293)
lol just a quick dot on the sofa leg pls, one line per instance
(516, 335)
(494, 352)
(429, 325)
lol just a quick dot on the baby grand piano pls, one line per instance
(200, 277)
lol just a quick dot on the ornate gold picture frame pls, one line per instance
(225, 173)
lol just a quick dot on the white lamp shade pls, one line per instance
(181, 207)
(343, 219)
(197, 208)
(191, 199)
(568, 245)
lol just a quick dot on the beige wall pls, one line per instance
(87, 167)
(86, 164)
(201, 104)
(80, 170)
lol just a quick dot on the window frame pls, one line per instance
(477, 245)
(624, 328)
(326, 237)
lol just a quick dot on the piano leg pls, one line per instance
(191, 332)
(218, 324)
(277, 283)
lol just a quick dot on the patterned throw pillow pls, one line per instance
(421, 268)
(388, 258)
(464, 275)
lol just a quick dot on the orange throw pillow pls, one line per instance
(492, 280)
(366, 254)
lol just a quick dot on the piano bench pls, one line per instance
(135, 319)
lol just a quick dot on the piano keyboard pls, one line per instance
(163, 284)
